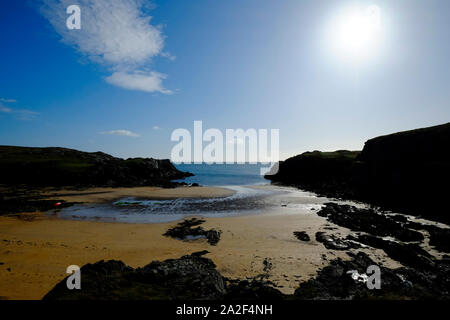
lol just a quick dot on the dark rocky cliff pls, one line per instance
(68, 167)
(322, 172)
(406, 171)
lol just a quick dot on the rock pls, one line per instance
(213, 236)
(193, 277)
(410, 255)
(326, 173)
(267, 265)
(335, 282)
(200, 253)
(439, 237)
(334, 243)
(368, 220)
(301, 235)
(255, 290)
(195, 184)
(185, 231)
(399, 218)
(188, 278)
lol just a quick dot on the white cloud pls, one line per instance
(156, 128)
(116, 34)
(126, 133)
(149, 82)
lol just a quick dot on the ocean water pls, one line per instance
(223, 174)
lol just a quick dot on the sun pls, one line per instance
(355, 33)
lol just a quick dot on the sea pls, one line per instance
(223, 174)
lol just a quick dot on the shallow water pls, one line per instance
(247, 200)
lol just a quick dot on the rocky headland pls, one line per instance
(405, 172)
(24, 171)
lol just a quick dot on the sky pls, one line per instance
(137, 70)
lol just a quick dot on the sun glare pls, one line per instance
(355, 33)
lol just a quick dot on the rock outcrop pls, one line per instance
(370, 221)
(326, 173)
(190, 229)
(191, 277)
(335, 281)
(67, 167)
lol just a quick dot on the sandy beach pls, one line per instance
(36, 249)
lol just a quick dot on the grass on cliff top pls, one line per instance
(41, 157)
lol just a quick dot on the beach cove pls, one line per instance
(36, 248)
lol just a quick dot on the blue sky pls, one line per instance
(231, 64)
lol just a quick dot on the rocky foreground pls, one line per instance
(422, 275)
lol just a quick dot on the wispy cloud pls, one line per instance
(8, 100)
(156, 128)
(21, 114)
(5, 109)
(126, 133)
(117, 34)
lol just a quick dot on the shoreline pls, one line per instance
(107, 194)
(36, 248)
(37, 252)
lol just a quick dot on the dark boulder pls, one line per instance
(335, 243)
(189, 229)
(187, 278)
(409, 254)
(439, 237)
(301, 235)
(256, 290)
